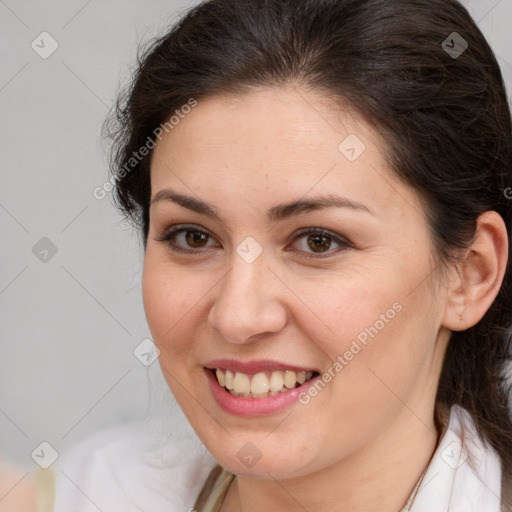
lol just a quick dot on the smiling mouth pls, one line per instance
(262, 384)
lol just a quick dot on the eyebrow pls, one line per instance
(274, 214)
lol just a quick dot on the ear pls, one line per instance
(480, 273)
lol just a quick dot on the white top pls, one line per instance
(129, 469)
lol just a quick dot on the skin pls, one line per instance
(364, 440)
(17, 491)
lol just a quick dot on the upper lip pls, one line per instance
(252, 367)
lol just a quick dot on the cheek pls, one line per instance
(172, 299)
(373, 325)
(347, 306)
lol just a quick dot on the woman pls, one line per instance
(321, 189)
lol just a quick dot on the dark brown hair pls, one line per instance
(445, 119)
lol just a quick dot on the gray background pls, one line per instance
(69, 325)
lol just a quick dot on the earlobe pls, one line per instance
(480, 274)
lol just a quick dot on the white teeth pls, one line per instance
(262, 384)
(229, 379)
(276, 381)
(259, 384)
(241, 383)
(290, 378)
(220, 377)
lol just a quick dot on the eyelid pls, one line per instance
(343, 242)
(169, 234)
(176, 229)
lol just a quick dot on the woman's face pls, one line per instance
(271, 286)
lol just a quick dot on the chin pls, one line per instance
(263, 459)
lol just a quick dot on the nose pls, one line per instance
(247, 304)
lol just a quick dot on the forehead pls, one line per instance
(275, 143)
(275, 120)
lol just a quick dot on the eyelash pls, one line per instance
(170, 236)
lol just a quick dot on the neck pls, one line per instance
(381, 476)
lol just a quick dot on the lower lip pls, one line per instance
(248, 407)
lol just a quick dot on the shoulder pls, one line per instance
(465, 471)
(131, 468)
(477, 475)
(481, 457)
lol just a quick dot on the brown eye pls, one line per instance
(186, 239)
(196, 238)
(319, 243)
